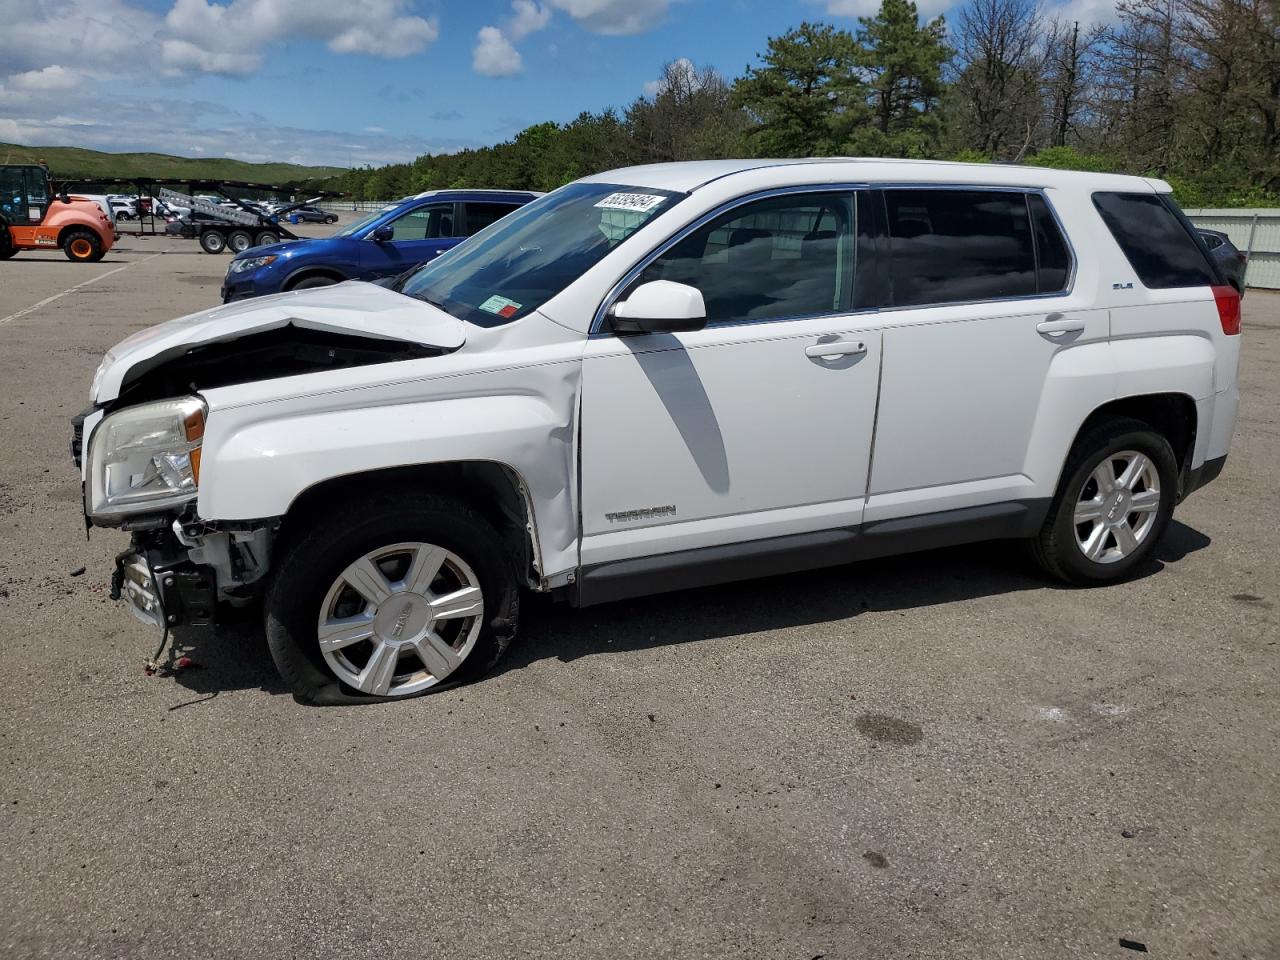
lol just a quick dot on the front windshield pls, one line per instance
(361, 224)
(515, 266)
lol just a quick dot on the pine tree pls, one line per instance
(901, 62)
(805, 96)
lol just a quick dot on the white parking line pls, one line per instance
(58, 296)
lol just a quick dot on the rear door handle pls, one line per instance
(1060, 326)
(837, 348)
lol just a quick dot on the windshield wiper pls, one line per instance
(427, 300)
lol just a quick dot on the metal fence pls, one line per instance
(359, 206)
(1256, 232)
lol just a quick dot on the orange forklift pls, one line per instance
(33, 217)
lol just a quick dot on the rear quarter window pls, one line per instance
(1154, 240)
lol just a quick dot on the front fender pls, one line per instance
(255, 466)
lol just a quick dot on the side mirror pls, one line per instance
(64, 196)
(660, 306)
(383, 233)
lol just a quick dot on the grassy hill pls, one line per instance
(75, 162)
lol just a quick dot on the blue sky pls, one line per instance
(359, 81)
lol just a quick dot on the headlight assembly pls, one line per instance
(145, 458)
(250, 264)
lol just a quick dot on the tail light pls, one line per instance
(1227, 300)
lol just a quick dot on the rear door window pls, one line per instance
(958, 246)
(480, 215)
(1154, 240)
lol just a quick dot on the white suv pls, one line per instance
(662, 377)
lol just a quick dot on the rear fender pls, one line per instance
(1083, 379)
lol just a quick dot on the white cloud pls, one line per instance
(183, 56)
(1087, 12)
(90, 34)
(615, 16)
(527, 16)
(114, 39)
(193, 128)
(686, 69)
(53, 77)
(229, 38)
(494, 56)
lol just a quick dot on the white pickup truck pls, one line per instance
(662, 377)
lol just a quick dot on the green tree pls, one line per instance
(805, 96)
(691, 116)
(901, 62)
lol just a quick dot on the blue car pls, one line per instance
(383, 244)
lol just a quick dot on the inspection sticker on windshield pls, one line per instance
(639, 202)
(501, 306)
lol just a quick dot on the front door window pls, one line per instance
(15, 202)
(434, 222)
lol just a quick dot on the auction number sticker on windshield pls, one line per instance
(501, 306)
(639, 202)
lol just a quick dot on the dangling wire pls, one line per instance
(153, 665)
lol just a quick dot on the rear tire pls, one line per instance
(330, 219)
(1113, 504)
(313, 586)
(239, 241)
(7, 249)
(265, 238)
(83, 246)
(213, 241)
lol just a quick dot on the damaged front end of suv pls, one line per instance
(139, 445)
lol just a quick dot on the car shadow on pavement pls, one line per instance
(555, 630)
(235, 655)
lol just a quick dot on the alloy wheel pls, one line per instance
(1117, 507)
(400, 619)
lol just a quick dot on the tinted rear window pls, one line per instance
(1160, 249)
(1052, 256)
(954, 246)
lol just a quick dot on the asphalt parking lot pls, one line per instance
(935, 756)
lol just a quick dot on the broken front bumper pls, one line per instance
(161, 587)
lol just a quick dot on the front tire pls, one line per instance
(404, 595)
(83, 246)
(307, 283)
(1113, 504)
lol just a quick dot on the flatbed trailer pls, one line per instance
(218, 228)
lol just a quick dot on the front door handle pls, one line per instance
(1061, 325)
(837, 348)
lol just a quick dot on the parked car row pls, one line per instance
(656, 378)
(1233, 262)
(382, 244)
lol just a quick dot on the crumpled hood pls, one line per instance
(357, 308)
